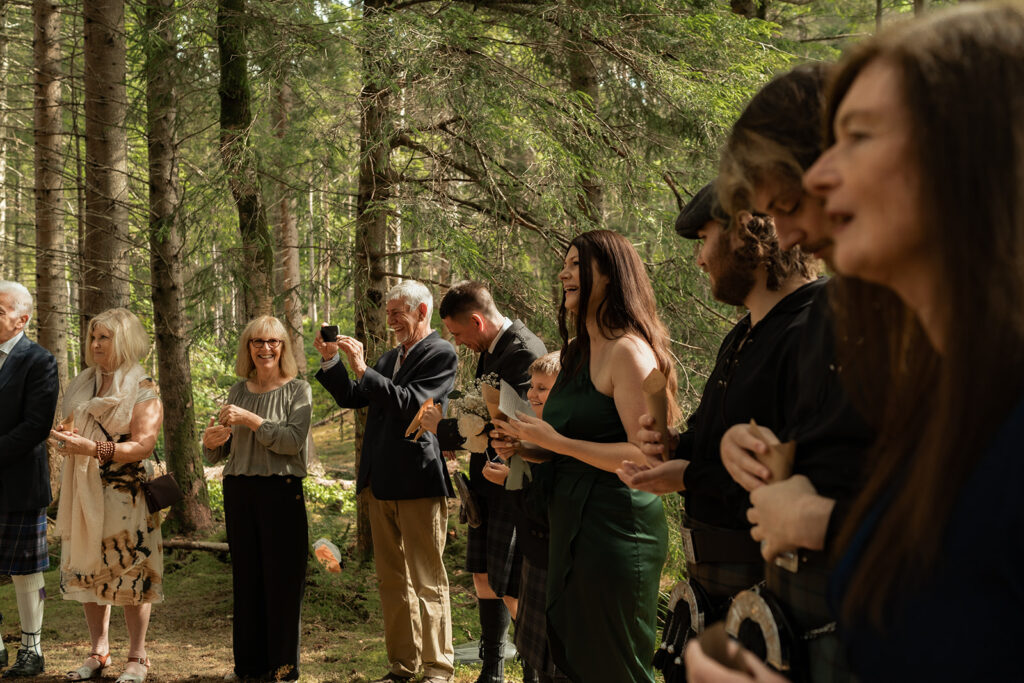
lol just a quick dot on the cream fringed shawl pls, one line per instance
(80, 511)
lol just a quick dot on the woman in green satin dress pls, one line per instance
(608, 542)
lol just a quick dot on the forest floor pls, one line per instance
(190, 632)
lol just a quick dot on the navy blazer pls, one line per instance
(28, 400)
(393, 466)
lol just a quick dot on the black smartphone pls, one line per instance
(329, 333)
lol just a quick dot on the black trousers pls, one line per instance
(269, 538)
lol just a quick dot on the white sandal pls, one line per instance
(134, 678)
(85, 672)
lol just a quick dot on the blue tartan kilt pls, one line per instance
(23, 548)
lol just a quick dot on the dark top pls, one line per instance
(513, 354)
(28, 401)
(394, 466)
(962, 622)
(831, 436)
(515, 351)
(755, 376)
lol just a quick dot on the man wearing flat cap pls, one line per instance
(752, 379)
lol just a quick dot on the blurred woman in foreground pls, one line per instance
(922, 190)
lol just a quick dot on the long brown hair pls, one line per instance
(962, 78)
(777, 135)
(627, 308)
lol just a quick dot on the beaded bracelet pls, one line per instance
(105, 451)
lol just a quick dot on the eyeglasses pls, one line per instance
(269, 343)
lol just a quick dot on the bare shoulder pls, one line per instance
(630, 359)
(632, 351)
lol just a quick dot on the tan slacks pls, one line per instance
(408, 543)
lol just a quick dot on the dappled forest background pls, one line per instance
(205, 161)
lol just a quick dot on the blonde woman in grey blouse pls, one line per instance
(262, 431)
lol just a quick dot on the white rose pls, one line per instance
(470, 425)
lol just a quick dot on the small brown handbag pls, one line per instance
(161, 492)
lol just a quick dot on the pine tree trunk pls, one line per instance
(4, 68)
(181, 443)
(287, 233)
(583, 79)
(51, 284)
(51, 298)
(239, 159)
(106, 247)
(368, 279)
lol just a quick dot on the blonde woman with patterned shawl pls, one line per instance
(111, 550)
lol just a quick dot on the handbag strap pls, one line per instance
(122, 438)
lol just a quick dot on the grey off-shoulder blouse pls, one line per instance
(278, 447)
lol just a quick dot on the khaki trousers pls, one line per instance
(408, 543)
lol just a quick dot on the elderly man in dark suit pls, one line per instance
(406, 482)
(506, 349)
(28, 400)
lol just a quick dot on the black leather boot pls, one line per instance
(494, 621)
(27, 665)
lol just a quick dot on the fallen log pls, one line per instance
(183, 544)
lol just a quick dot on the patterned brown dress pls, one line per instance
(132, 566)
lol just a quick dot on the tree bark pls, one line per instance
(106, 247)
(583, 79)
(51, 283)
(287, 233)
(4, 69)
(239, 159)
(51, 299)
(374, 191)
(181, 444)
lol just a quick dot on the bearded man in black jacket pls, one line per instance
(752, 379)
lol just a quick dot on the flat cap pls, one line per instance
(697, 212)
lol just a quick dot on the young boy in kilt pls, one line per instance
(531, 636)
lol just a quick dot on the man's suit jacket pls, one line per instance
(28, 399)
(393, 466)
(515, 351)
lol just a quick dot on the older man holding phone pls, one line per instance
(403, 479)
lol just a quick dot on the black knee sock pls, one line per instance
(494, 621)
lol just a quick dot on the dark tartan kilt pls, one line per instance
(723, 580)
(491, 547)
(802, 597)
(23, 548)
(531, 635)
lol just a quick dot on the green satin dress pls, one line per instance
(608, 545)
